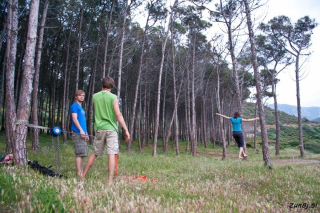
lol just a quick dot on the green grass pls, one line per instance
(185, 183)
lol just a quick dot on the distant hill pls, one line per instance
(248, 112)
(311, 113)
(317, 119)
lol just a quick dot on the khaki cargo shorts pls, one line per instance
(80, 145)
(103, 138)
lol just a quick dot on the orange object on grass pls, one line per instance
(140, 178)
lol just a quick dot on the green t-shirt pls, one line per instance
(103, 111)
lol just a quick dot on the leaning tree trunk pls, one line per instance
(90, 102)
(264, 135)
(155, 137)
(193, 102)
(137, 86)
(121, 49)
(12, 31)
(65, 80)
(276, 113)
(79, 46)
(20, 149)
(35, 139)
(121, 52)
(224, 148)
(175, 98)
(299, 106)
(106, 44)
(255, 129)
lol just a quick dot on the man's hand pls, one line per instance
(127, 136)
(84, 135)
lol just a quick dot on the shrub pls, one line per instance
(312, 147)
(294, 143)
(281, 146)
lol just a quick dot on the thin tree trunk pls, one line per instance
(79, 46)
(264, 135)
(255, 129)
(121, 52)
(224, 149)
(233, 59)
(137, 85)
(90, 101)
(19, 70)
(2, 94)
(299, 106)
(154, 153)
(112, 55)
(175, 98)
(12, 31)
(276, 114)
(107, 40)
(65, 88)
(193, 102)
(35, 139)
(165, 142)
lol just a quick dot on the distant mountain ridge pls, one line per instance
(311, 113)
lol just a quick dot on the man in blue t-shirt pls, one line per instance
(79, 130)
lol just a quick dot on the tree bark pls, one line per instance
(155, 137)
(264, 135)
(12, 31)
(106, 44)
(276, 113)
(79, 46)
(193, 102)
(137, 85)
(20, 150)
(35, 139)
(299, 106)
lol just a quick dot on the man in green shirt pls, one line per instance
(107, 112)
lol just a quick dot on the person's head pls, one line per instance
(236, 114)
(79, 96)
(107, 83)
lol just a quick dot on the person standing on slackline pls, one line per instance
(79, 130)
(106, 113)
(236, 121)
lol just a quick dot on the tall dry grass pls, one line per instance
(203, 183)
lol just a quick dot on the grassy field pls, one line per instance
(201, 183)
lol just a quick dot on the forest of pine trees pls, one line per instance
(171, 77)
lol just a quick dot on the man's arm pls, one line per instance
(226, 117)
(120, 118)
(77, 124)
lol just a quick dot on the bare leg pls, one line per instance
(79, 164)
(90, 162)
(111, 167)
(241, 152)
(244, 154)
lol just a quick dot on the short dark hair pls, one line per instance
(236, 114)
(107, 83)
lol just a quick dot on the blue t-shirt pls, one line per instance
(76, 108)
(236, 124)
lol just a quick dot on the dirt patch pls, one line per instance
(293, 161)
